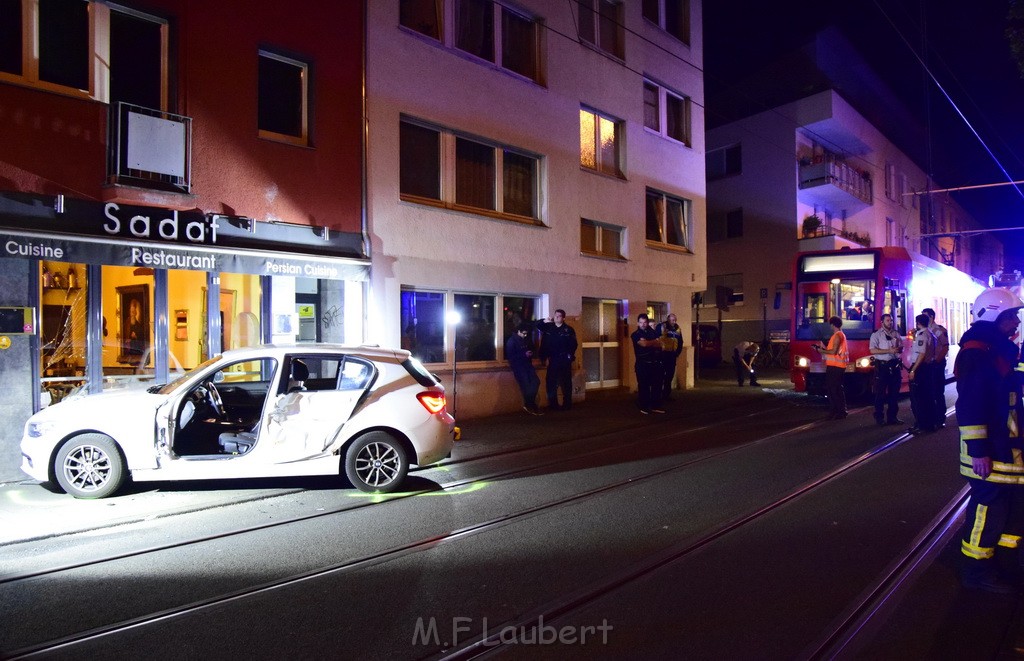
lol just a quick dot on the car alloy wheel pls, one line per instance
(376, 462)
(90, 466)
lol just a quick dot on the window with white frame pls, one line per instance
(474, 337)
(666, 112)
(600, 25)
(599, 142)
(600, 239)
(672, 16)
(283, 95)
(668, 220)
(486, 29)
(890, 181)
(85, 49)
(723, 162)
(466, 172)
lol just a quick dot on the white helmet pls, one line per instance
(994, 301)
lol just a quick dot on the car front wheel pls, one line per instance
(376, 462)
(90, 466)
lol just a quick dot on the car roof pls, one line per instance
(369, 351)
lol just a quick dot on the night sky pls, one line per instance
(964, 46)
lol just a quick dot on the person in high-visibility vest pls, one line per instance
(836, 357)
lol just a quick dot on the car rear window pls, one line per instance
(420, 373)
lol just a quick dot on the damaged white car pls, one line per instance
(270, 411)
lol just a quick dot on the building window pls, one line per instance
(474, 337)
(725, 226)
(483, 176)
(666, 112)
(599, 142)
(423, 319)
(672, 16)
(723, 162)
(483, 28)
(423, 16)
(283, 98)
(723, 290)
(601, 25)
(82, 48)
(668, 220)
(600, 239)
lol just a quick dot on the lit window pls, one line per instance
(600, 239)
(668, 220)
(672, 16)
(423, 323)
(600, 24)
(599, 143)
(666, 112)
(482, 176)
(283, 98)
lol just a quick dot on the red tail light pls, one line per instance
(432, 400)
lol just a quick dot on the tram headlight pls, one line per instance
(801, 361)
(864, 362)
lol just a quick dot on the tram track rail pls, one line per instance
(841, 635)
(551, 612)
(67, 643)
(388, 498)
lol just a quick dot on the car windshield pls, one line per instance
(174, 385)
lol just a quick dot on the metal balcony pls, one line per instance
(149, 148)
(834, 185)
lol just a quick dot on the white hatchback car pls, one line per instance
(269, 411)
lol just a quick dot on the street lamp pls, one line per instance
(454, 318)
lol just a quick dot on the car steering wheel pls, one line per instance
(215, 401)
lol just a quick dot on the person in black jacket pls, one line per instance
(647, 350)
(519, 355)
(558, 347)
(988, 408)
(672, 345)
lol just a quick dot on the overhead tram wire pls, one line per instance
(949, 98)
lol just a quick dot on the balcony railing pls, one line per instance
(836, 176)
(149, 148)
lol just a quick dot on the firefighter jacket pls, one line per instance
(988, 405)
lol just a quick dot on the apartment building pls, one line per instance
(525, 157)
(816, 174)
(177, 178)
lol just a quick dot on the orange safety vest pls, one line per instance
(837, 355)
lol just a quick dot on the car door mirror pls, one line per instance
(218, 377)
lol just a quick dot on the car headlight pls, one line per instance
(864, 362)
(38, 428)
(801, 361)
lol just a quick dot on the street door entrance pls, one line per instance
(602, 360)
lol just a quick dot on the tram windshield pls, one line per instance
(851, 300)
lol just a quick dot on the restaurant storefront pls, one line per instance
(122, 295)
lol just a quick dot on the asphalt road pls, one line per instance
(629, 536)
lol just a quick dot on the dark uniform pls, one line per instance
(989, 411)
(648, 369)
(670, 356)
(559, 348)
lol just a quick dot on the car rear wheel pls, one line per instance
(376, 462)
(90, 466)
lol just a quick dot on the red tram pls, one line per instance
(859, 286)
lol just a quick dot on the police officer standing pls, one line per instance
(938, 367)
(886, 345)
(559, 348)
(647, 350)
(922, 393)
(988, 408)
